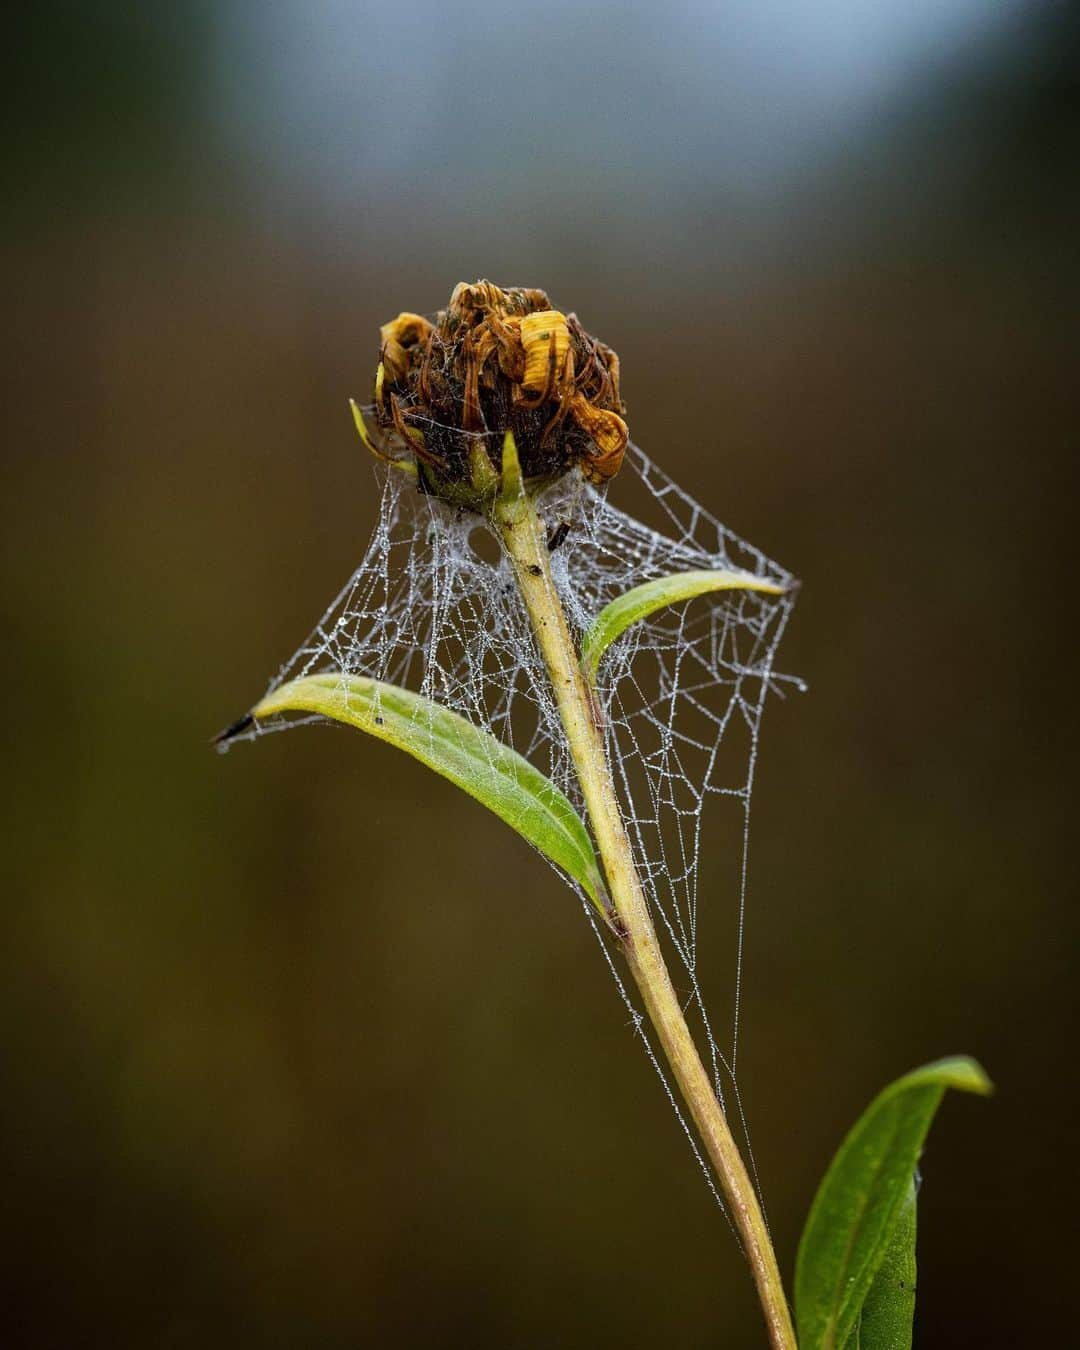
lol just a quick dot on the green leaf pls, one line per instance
(470, 757)
(889, 1310)
(637, 604)
(859, 1202)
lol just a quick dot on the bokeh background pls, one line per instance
(286, 1059)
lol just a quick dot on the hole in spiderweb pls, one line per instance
(484, 547)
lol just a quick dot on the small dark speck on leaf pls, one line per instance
(378, 721)
(534, 569)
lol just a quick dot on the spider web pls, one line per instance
(434, 607)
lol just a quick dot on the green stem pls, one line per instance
(524, 536)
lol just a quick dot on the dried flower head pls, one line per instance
(495, 361)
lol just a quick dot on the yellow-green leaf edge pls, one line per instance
(641, 601)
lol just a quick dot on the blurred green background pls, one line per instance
(285, 1062)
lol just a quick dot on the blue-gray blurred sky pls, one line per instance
(451, 102)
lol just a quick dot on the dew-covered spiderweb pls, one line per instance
(433, 606)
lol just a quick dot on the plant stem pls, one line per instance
(524, 535)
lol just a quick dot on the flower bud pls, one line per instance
(494, 361)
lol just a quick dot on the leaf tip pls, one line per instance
(233, 730)
(964, 1074)
(512, 480)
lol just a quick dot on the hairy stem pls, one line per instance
(524, 536)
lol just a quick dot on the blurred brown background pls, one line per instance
(284, 1063)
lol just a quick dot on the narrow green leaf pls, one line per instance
(637, 604)
(859, 1202)
(889, 1310)
(470, 757)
